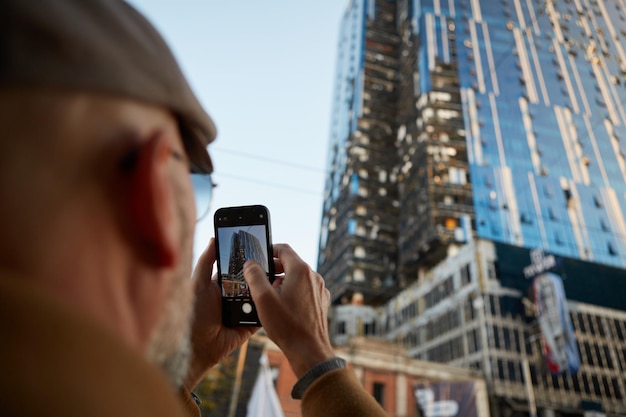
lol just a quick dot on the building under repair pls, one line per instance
(502, 119)
(488, 126)
(398, 189)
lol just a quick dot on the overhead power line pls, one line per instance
(262, 158)
(275, 186)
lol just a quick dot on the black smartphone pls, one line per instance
(241, 233)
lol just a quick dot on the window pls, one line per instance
(558, 239)
(506, 335)
(447, 114)
(352, 226)
(596, 385)
(586, 384)
(604, 226)
(576, 384)
(611, 248)
(607, 357)
(359, 275)
(597, 201)
(495, 339)
(466, 275)
(552, 214)
(354, 180)
(616, 388)
(618, 329)
(547, 191)
(568, 196)
(491, 270)
(457, 176)
(517, 342)
(500, 364)
(378, 391)
(600, 326)
(512, 370)
(582, 325)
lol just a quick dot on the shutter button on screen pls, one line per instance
(246, 308)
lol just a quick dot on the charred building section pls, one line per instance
(398, 159)
(358, 247)
(435, 194)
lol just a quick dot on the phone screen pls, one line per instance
(242, 233)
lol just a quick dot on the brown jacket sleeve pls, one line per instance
(338, 393)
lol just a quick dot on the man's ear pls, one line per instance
(152, 206)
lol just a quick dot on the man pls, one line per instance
(99, 131)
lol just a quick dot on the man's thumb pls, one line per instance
(256, 277)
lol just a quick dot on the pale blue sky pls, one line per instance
(264, 70)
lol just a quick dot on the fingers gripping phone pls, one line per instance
(241, 233)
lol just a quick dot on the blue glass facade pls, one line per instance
(542, 87)
(348, 93)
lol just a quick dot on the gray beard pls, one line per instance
(173, 357)
(170, 346)
(176, 365)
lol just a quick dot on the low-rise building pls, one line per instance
(476, 310)
(404, 387)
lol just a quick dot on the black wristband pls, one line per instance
(195, 398)
(312, 374)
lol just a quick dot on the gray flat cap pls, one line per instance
(103, 46)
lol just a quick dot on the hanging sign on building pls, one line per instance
(447, 399)
(555, 323)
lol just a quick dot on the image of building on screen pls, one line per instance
(243, 246)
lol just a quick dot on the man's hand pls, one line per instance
(293, 310)
(210, 340)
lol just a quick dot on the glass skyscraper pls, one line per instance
(497, 119)
(244, 246)
(468, 136)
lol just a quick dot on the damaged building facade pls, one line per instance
(503, 119)
(359, 226)
(481, 127)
